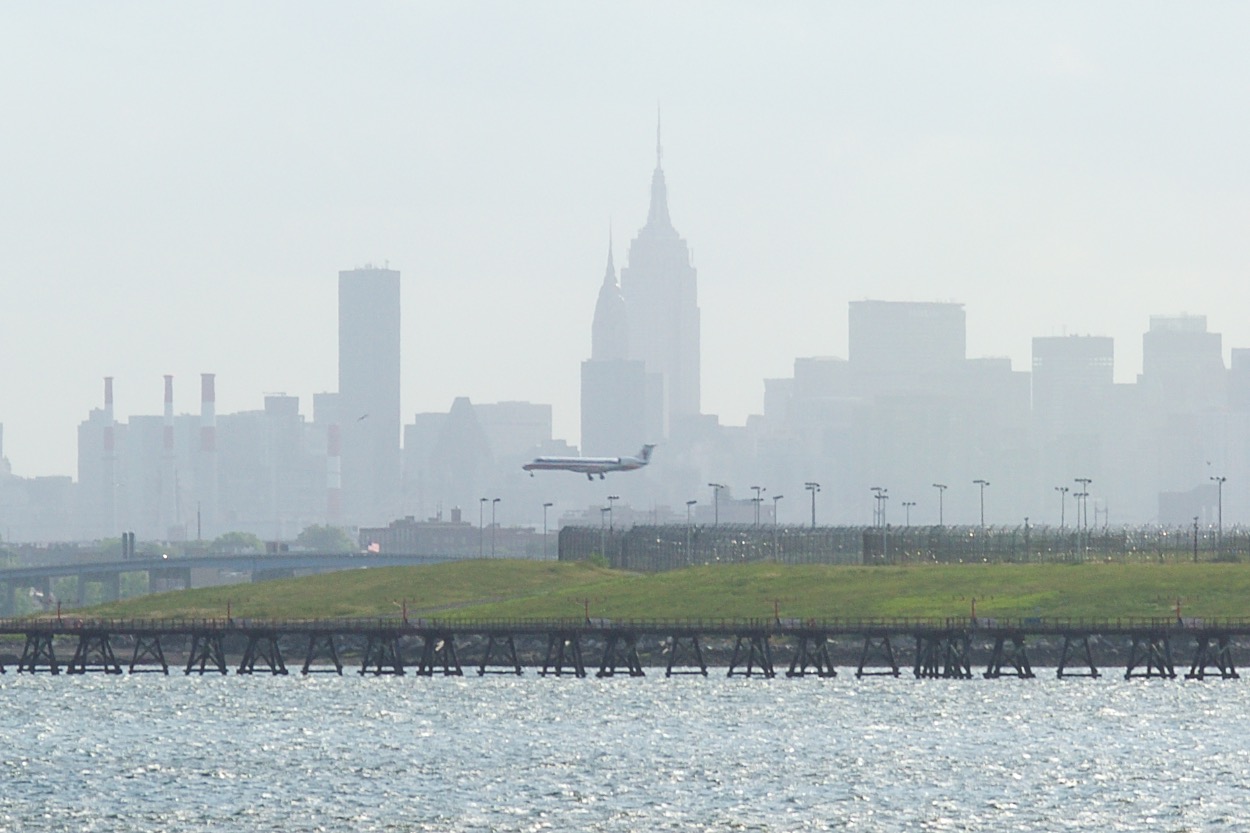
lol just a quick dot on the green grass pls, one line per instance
(527, 589)
(436, 590)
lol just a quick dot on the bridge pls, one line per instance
(938, 648)
(175, 573)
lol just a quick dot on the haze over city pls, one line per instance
(187, 184)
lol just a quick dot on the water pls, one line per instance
(147, 753)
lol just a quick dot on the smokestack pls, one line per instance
(168, 443)
(206, 460)
(169, 473)
(108, 415)
(208, 412)
(108, 479)
(334, 474)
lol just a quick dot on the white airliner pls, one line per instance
(590, 466)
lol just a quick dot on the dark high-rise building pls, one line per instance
(369, 406)
(661, 297)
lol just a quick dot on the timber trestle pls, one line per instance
(813, 652)
(382, 655)
(1076, 646)
(148, 657)
(504, 643)
(683, 649)
(564, 655)
(438, 655)
(758, 652)
(878, 648)
(942, 654)
(94, 653)
(38, 655)
(321, 647)
(206, 650)
(1013, 656)
(943, 649)
(620, 655)
(262, 649)
(1206, 656)
(1154, 651)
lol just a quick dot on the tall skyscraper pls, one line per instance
(369, 406)
(661, 297)
(613, 385)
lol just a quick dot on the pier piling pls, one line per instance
(94, 653)
(507, 646)
(321, 645)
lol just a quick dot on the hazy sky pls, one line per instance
(182, 182)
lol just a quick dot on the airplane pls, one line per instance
(590, 466)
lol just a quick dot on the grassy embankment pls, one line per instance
(526, 589)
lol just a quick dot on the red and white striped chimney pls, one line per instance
(334, 474)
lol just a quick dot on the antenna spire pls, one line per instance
(659, 149)
(610, 274)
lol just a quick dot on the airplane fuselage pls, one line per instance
(590, 466)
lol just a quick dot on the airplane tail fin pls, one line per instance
(645, 454)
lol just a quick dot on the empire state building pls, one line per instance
(661, 296)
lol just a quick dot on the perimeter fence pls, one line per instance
(652, 548)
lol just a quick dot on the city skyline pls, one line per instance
(178, 213)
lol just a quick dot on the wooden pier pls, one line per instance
(941, 649)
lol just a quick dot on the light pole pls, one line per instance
(481, 536)
(907, 505)
(1195, 539)
(813, 487)
(546, 506)
(1219, 513)
(982, 484)
(775, 499)
(603, 532)
(1082, 514)
(758, 500)
(716, 487)
(494, 502)
(1063, 502)
(880, 494)
(941, 487)
(611, 500)
(689, 504)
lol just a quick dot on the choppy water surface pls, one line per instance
(154, 754)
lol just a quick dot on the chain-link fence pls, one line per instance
(672, 546)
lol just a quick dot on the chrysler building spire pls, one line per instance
(609, 335)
